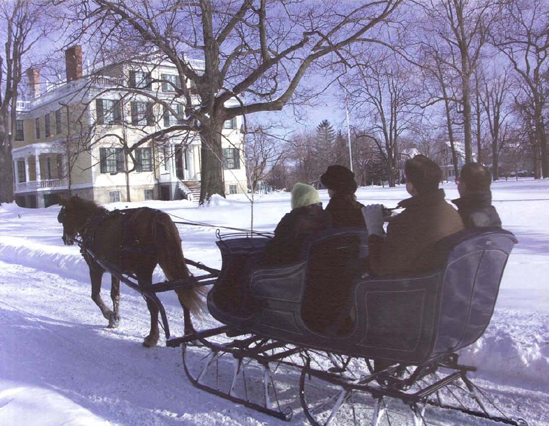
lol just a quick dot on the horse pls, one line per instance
(135, 241)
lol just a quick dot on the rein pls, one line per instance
(208, 225)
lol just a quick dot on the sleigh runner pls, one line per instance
(365, 344)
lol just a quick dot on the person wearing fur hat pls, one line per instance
(306, 218)
(343, 206)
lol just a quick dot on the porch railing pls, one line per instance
(41, 184)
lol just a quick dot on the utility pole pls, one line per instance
(348, 133)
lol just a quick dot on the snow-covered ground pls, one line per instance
(59, 364)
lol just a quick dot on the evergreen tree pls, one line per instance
(324, 147)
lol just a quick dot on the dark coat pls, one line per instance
(412, 234)
(476, 210)
(345, 212)
(291, 232)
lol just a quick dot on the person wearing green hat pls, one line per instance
(306, 218)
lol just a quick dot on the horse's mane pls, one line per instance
(87, 205)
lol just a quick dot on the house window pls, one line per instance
(59, 161)
(170, 119)
(140, 80)
(143, 160)
(166, 155)
(19, 130)
(149, 194)
(170, 82)
(47, 131)
(57, 121)
(37, 127)
(114, 196)
(108, 111)
(230, 124)
(22, 177)
(48, 167)
(142, 113)
(111, 160)
(233, 189)
(231, 158)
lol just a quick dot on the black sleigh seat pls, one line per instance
(321, 302)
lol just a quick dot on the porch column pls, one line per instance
(16, 180)
(37, 162)
(27, 174)
(190, 162)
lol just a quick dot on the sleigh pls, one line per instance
(388, 348)
(366, 349)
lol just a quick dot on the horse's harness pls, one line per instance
(129, 244)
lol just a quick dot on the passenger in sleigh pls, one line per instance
(343, 205)
(411, 236)
(306, 218)
(475, 202)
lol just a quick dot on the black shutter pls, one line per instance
(119, 159)
(138, 160)
(166, 117)
(103, 159)
(100, 113)
(135, 114)
(132, 79)
(148, 80)
(117, 113)
(236, 156)
(150, 114)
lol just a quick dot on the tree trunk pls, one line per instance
(451, 136)
(541, 140)
(211, 168)
(6, 162)
(467, 117)
(535, 152)
(479, 128)
(495, 159)
(495, 148)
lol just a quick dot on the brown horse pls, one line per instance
(135, 241)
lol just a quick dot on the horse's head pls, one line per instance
(73, 215)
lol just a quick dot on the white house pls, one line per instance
(97, 112)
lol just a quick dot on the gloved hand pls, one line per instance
(373, 216)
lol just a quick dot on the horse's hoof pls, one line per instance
(150, 342)
(114, 320)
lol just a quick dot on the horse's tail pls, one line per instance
(172, 262)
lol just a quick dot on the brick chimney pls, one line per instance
(73, 62)
(33, 75)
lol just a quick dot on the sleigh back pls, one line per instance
(321, 302)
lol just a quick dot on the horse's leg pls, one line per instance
(189, 329)
(114, 320)
(152, 339)
(96, 274)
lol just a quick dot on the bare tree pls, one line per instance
(264, 153)
(496, 93)
(523, 37)
(462, 27)
(256, 52)
(21, 27)
(384, 92)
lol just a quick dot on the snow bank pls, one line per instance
(514, 348)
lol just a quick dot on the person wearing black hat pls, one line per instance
(343, 206)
